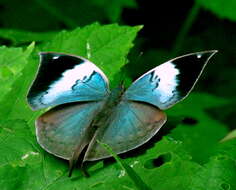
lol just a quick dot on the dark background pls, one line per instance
(171, 28)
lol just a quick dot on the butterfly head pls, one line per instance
(116, 93)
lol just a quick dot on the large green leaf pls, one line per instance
(199, 132)
(12, 62)
(18, 37)
(106, 46)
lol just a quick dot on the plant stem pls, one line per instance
(191, 17)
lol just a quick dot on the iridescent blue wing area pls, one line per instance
(63, 78)
(130, 125)
(170, 82)
(66, 129)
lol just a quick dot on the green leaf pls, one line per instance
(113, 8)
(12, 177)
(15, 15)
(12, 62)
(17, 143)
(223, 9)
(14, 101)
(218, 173)
(227, 149)
(106, 46)
(18, 37)
(176, 172)
(205, 132)
(126, 169)
(89, 11)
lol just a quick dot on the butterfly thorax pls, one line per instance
(115, 96)
(110, 103)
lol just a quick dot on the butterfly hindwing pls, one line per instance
(169, 82)
(63, 129)
(65, 78)
(130, 125)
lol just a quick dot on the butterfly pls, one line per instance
(85, 111)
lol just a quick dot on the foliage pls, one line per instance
(195, 149)
(223, 9)
(21, 37)
(12, 62)
(54, 13)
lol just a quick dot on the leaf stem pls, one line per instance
(191, 17)
(139, 183)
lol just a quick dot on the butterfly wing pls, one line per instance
(169, 82)
(65, 78)
(66, 129)
(130, 125)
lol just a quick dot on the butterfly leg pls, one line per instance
(74, 159)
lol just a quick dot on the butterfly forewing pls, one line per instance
(169, 82)
(64, 78)
(130, 125)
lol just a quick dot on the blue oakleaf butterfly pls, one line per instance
(85, 110)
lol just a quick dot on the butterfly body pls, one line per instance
(112, 100)
(108, 105)
(86, 111)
